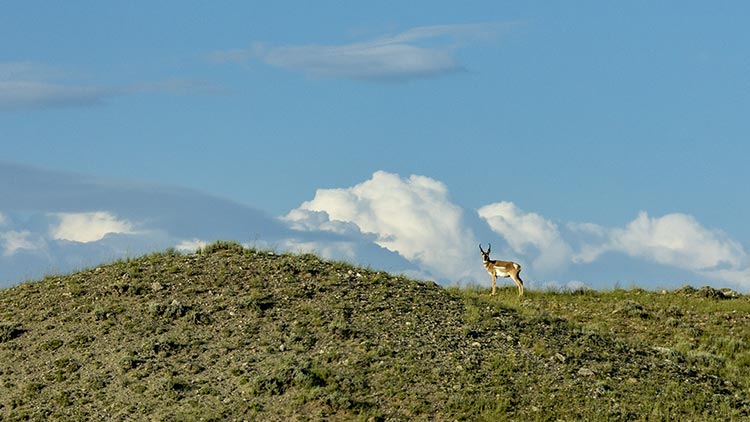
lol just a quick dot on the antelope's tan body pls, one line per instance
(496, 268)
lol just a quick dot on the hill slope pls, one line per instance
(235, 334)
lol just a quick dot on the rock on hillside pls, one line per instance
(236, 334)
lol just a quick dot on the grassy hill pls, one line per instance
(236, 334)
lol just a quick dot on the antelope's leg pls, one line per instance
(519, 283)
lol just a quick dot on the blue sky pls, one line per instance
(595, 144)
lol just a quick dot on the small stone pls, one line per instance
(663, 350)
(585, 372)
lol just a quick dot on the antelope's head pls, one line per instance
(485, 255)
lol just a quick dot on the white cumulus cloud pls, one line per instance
(675, 239)
(412, 216)
(310, 220)
(528, 234)
(88, 226)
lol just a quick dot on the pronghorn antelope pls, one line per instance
(502, 269)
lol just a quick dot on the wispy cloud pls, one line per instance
(32, 85)
(28, 86)
(416, 53)
(35, 94)
(16, 240)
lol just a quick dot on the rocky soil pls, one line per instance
(237, 334)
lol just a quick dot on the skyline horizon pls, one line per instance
(108, 216)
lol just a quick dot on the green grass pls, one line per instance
(230, 333)
(694, 328)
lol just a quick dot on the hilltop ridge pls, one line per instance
(230, 333)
